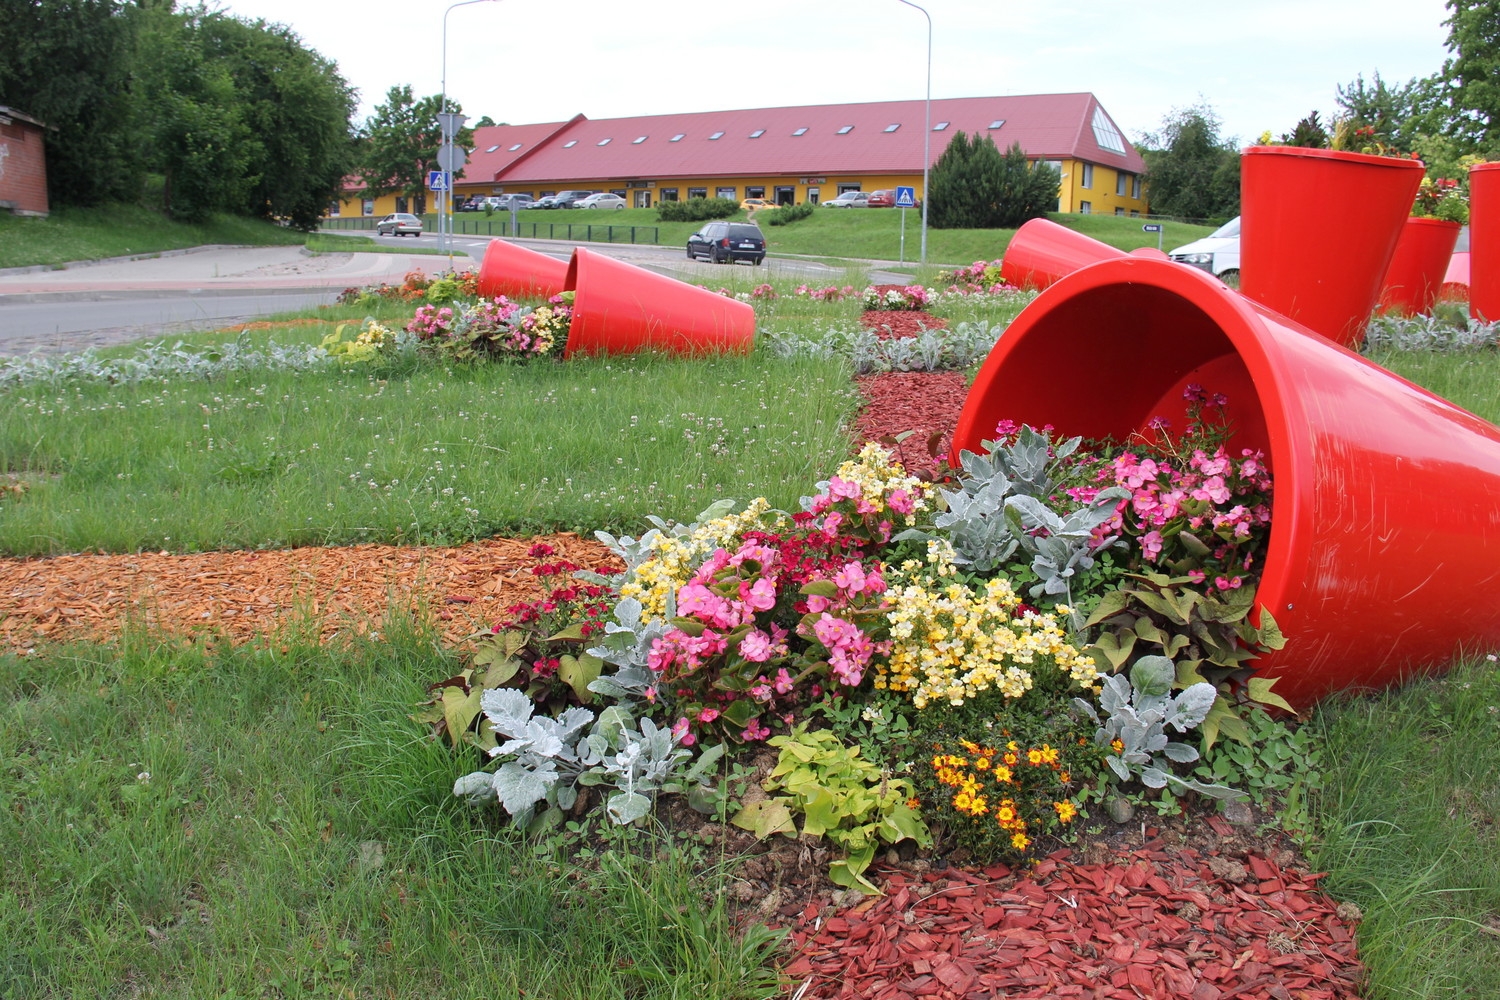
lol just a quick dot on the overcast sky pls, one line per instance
(1260, 64)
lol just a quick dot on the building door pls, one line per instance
(785, 196)
(812, 196)
(642, 198)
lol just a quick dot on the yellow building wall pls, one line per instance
(353, 208)
(1100, 195)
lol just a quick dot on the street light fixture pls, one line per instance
(444, 235)
(926, 128)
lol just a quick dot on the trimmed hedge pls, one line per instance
(696, 209)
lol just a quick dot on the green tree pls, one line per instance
(1191, 172)
(974, 186)
(1470, 94)
(68, 63)
(1401, 115)
(400, 143)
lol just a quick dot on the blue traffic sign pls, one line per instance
(906, 197)
(437, 180)
(1151, 228)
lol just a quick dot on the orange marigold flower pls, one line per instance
(913, 803)
(1011, 759)
(969, 746)
(1034, 758)
(1006, 813)
(1065, 811)
(1020, 841)
(979, 806)
(1117, 745)
(1002, 775)
(982, 763)
(1012, 745)
(1066, 777)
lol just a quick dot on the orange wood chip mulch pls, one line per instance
(242, 595)
(1154, 925)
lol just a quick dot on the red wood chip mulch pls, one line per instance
(888, 323)
(1157, 924)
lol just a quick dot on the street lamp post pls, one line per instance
(926, 128)
(444, 236)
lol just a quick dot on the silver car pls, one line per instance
(399, 224)
(603, 200)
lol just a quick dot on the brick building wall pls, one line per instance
(23, 164)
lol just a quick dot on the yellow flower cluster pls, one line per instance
(878, 475)
(951, 642)
(969, 777)
(675, 556)
(367, 345)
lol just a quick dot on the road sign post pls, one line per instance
(906, 197)
(1154, 227)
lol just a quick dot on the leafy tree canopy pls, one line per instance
(1191, 172)
(974, 186)
(400, 143)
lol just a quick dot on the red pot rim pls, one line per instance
(1427, 220)
(1343, 155)
(1484, 166)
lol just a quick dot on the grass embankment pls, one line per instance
(70, 234)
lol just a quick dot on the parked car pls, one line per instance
(569, 199)
(1218, 253)
(755, 204)
(884, 198)
(505, 202)
(602, 200)
(849, 199)
(545, 201)
(399, 224)
(466, 204)
(726, 242)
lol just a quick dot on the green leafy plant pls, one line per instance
(1280, 767)
(788, 214)
(839, 795)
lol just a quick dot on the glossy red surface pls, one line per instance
(1484, 241)
(1418, 265)
(1317, 231)
(619, 308)
(1042, 251)
(1385, 542)
(514, 271)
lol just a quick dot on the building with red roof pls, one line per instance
(793, 155)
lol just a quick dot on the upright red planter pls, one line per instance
(1484, 241)
(514, 271)
(1318, 228)
(1385, 530)
(619, 308)
(1418, 265)
(1042, 251)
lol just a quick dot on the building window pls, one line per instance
(717, 135)
(1106, 134)
(334, 208)
(570, 144)
(697, 193)
(1086, 208)
(757, 133)
(893, 127)
(755, 192)
(997, 123)
(367, 207)
(514, 148)
(848, 187)
(1135, 186)
(1121, 179)
(678, 137)
(1135, 213)
(1087, 178)
(1119, 211)
(725, 192)
(801, 131)
(667, 194)
(940, 126)
(493, 148)
(846, 130)
(603, 142)
(637, 142)
(785, 196)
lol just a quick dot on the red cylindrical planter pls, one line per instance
(1042, 251)
(517, 272)
(1456, 278)
(1293, 202)
(1385, 524)
(1484, 241)
(1418, 265)
(619, 308)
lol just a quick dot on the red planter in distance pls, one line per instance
(1385, 539)
(516, 272)
(1484, 241)
(1317, 231)
(1456, 278)
(1418, 266)
(1042, 252)
(619, 308)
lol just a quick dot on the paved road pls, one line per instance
(55, 311)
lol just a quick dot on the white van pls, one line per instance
(1218, 253)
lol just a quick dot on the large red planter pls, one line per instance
(516, 272)
(1418, 265)
(1385, 536)
(1318, 228)
(1042, 252)
(1484, 241)
(619, 308)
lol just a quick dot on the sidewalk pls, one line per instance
(207, 270)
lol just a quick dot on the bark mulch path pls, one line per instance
(1151, 924)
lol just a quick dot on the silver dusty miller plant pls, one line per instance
(548, 760)
(1137, 714)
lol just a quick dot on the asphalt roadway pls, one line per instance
(61, 310)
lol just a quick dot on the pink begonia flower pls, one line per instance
(843, 488)
(850, 578)
(783, 683)
(1151, 545)
(761, 692)
(816, 603)
(900, 501)
(760, 595)
(763, 555)
(754, 731)
(1196, 575)
(681, 733)
(708, 715)
(831, 524)
(756, 646)
(695, 598)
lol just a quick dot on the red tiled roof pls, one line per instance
(1048, 126)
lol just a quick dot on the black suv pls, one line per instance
(726, 242)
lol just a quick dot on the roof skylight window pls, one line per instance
(678, 137)
(801, 131)
(717, 135)
(846, 130)
(997, 123)
(637, 142)
(603, 142)
(514, 148)
(940, 126)
(893, 127)
(757, 133)
(570, 144)
(1106, 134)
(493, 148)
